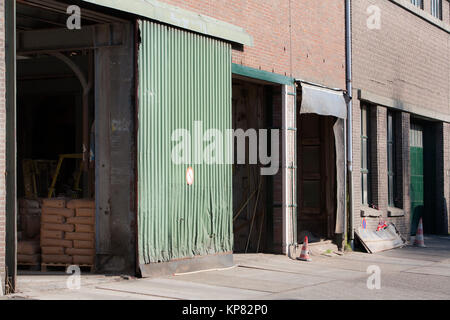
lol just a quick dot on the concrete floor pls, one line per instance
(406, 273)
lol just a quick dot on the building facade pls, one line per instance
(138, 70)
(401, 101)
(141, 70)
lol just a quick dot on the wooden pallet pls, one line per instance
(30, 266)
(44, 266)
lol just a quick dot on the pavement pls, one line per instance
(404, 273)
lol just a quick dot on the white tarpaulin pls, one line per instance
(323, 101)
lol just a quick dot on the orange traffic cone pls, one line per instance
(304, 256)
(419, 241)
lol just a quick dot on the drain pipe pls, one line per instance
(348, 62)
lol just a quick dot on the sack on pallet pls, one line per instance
(79, 236)
(53, 250)
(28, 247)
(80, 252)
(83, 260)
(82, 244)
(31, 225)
(51, 218)
(56, 259)
(84, 212)
(29, 258)
(56, 243)
(58, 227)
(81, 203)
(54, 203)
(84, 228)
(25, 211)
(52, 234)
(28, 203)
(81, 220)
(66, 213)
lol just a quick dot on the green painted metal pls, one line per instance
(179, 17)
(417, 175)
(261, 75)
(183, 78)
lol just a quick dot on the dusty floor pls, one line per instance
(406, 273)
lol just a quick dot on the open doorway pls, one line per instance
(55, 146)
(426, 199)
(75, 140)
(316, 178)
(254, 108)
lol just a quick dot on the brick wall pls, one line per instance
(407, 61)
(313, 49)
(2, 145)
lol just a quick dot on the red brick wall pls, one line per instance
(313, 49)
(406, 60)
(2, 144)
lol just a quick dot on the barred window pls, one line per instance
(436, 8)
(391, 163)
(365, 161)
(417, 3)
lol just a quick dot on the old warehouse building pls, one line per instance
(111, 94)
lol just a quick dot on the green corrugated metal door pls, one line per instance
(184, 79)
(417, 175)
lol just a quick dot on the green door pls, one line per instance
(184, 84)
(417, 177)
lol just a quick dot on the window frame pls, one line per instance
(391, 151)
(365, 167)
(417, 3)
(436, 5)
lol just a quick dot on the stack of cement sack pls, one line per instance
(83, 250)
(54, 226)
(28, 253)
(29, 219)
